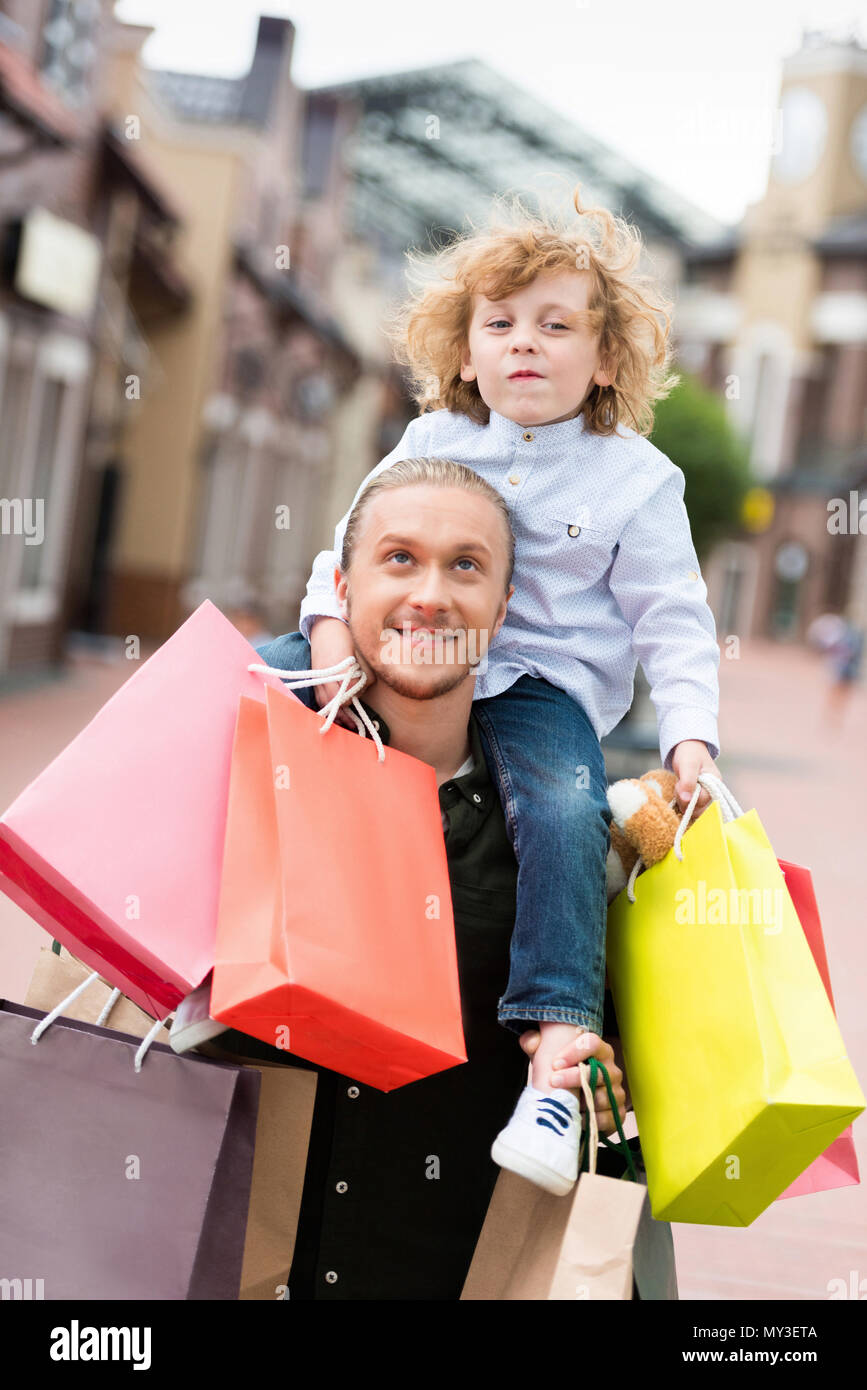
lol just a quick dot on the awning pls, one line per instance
(129, 163)
(23, 92)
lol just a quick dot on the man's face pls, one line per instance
(537, 329)
(424, 595)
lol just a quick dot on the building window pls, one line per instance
(812, 447)
(791, 563)
(14, 403)
(44, 398)
(43, 473)
(69, 50)
(317, 148)
(762, 370)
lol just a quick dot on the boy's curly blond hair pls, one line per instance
(628, 310)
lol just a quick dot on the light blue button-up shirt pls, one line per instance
(606, 573)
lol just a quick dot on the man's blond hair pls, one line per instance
(417, 472)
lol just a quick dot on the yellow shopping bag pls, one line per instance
(738, 1073)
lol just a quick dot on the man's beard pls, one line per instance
(393, 677)
(451, 675)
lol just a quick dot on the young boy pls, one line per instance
(530, 346)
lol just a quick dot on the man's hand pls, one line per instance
(581, 1050)
(330, 642)
(690, 757)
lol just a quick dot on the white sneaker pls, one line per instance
(192, 1024)
(542, 1139)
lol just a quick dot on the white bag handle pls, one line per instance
(353, 679)
(729, 809)
(112, 1000)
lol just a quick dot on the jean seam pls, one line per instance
(542, 1015)
(505, 780)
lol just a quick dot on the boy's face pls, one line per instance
(537, 329)
(431, 559)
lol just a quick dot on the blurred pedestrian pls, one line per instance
(842, 643)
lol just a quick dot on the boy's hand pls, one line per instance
(330, 642)
(581, 1050)
(690, 757)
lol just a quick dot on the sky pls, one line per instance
(687, 92)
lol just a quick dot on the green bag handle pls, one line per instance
(623, 1149)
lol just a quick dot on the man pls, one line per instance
(397, 1184)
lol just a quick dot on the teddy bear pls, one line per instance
(644, 820)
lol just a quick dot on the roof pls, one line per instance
(242, 100)
(723, 248)
(493, 136)
(844, 236)
(287, 296)
(197, 97)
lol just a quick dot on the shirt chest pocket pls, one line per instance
(582, 552)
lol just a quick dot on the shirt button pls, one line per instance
(514, 478)
(331, 1277)
(529, 436)
(476, 797)
(342, 1186)
(352, 1092)
(574, 530)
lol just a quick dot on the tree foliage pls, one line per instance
(692, 428)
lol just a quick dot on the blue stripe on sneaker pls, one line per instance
(562, 1120)
(550, 1100)
(548, 1125)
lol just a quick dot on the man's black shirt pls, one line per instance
(397, 1183)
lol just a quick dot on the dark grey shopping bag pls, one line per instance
(119, 1183)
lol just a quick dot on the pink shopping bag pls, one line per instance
(116, 847)
(838, 1165)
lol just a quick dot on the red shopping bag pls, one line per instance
(116, 847)
(335, 936)
(838, 1165)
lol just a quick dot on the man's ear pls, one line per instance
(341, 585)
(501, 614)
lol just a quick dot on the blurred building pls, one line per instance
(245, 385)
(774, 317)
(227, 454)
(86, 237)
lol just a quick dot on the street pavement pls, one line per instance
(804, 771)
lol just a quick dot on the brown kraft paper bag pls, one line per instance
(538, 1246)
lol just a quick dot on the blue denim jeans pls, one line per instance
(547, 764)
